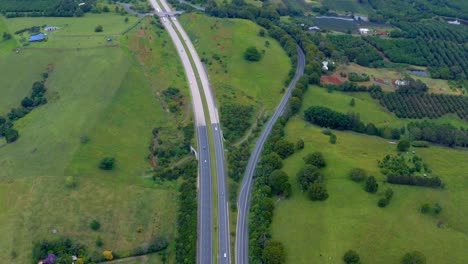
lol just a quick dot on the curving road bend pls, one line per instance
(205, 202)
(242, 232)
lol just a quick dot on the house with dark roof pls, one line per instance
(38, 37)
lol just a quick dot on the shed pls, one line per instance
(364, 31)
(38, 37)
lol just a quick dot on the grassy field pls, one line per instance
(320, 232)
(106, 95)
(71, 35)
(369, 109)
(235, 79)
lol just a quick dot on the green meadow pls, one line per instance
(108, 96)
(321, 232)
(233, 78)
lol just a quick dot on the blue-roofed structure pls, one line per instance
(38, 37)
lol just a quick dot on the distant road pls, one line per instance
(242, 232)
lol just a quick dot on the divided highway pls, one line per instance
(205, 221)
(242, 232)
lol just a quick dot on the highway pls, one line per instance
(205, 247)
(242, 231)
(205, 185)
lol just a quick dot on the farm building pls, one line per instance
(454, 22)
(325, 65)
(364, 31)
(314, 28)
(398, 83)
(38, 37)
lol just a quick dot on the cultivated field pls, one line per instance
(101, 94)
(233, 78)
(369, 109)
(320, 232)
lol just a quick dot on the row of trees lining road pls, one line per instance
(50, 8)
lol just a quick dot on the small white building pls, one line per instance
(454, 22)
(364, 31)
(325, 65)
(314, 28)
(401, 83)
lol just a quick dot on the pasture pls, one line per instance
(321, 232)
(103, 95)
(234, 78)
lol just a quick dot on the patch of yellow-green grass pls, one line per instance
(73, 32)
(369, 109)
(320, 232)
(256, 83)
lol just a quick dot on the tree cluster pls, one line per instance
(326, 117)
(399, 170)
(383, 202)
(235, 119)
(444, 134)
(252, 54)
(50, 8)
(355, 77)
(63, 249)
(173, 98)
(36, 99)
(186, 241)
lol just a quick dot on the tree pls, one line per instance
(272, 162)
(403, 145)
(107, 163)
(274, 252)
(11, 135)
(99, 28)
(95, 225)
(357, 174)
(352, 102)
(332, 139)
(105, 9)
(71, 182)
(252, 54)
(425, 208)
(351, 257)
(107, 254)
(6, 36)
(261, 32)
(300, 144)
(27, 102)
(99, 242)
(279, 183)
(295, 104)
(308, 175)
(414, 257)
(316, 159)
(383, 202)
(284, 148)
(371, 185)
(126, 20)
(317, 192)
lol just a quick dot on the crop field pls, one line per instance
(105, 96)
(233, 78)
(321, 232)
(347, 6)
(369, 109)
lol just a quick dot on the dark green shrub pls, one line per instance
(351, 257)
(95, 225)
(107, 163)
(357, 174)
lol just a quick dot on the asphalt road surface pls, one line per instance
(242, 232)
(224, 245)
(205, 202)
